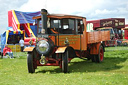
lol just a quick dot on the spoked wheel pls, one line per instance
(31, 64)
(100, 56)
(65, 62)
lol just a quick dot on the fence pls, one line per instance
(121, 44)
(16, 49)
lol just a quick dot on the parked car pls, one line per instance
(125, 42)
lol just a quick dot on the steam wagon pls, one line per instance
(61, 38)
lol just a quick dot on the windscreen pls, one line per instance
(61, 26)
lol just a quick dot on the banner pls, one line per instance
(15, 48)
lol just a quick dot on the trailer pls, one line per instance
(114, 25)
(60, 38)
(126, 32)
(125, 40)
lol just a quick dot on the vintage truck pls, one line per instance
(61, 38)
(115, 26)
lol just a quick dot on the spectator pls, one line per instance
(43, 31)
(8, 51)
(31, 35)
(21, 42)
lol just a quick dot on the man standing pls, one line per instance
(21, 42)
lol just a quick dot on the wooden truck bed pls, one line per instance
(97, 36)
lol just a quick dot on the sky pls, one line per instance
(91, 9)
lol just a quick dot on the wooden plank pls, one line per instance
(98, 36)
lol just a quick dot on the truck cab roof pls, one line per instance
(60, 16)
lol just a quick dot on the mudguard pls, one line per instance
(28, 49)
(95, 48)
(61, 49)
(71, 51)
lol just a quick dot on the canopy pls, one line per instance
(23, 21)
(6, 34)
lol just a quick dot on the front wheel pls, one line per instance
(100, 56)
(65, 62)
(30, 63)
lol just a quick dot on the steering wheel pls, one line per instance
(54, 30)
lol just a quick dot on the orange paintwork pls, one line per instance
(95, 48)
(29, 49)
(60, 16)
(52, 38)
(54, 31)
(84, 37)
(77, 41)
(73, 41)
(125, 42)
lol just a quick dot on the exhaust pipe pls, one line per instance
(44, 19)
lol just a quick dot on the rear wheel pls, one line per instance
(93, 58)
(100, 56)
(30, 62)
(65, 62)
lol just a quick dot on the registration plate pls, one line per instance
(42, 36)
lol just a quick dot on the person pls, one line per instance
(31, 35)
(21, 42)
(43, 31)
(80, 31)
(8, 51)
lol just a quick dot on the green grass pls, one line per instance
(113, 71)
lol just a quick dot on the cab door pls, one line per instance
(69, 34)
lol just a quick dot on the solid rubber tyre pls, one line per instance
(93, 58)
(65, 62)
(100, 56)
(30, 63)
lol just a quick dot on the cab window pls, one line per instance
(80, 26)
(68, 26)
(55, 23)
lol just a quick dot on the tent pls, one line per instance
(21, 24)
(5, 37)
(23, 21)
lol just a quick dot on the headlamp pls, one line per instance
(43, 46)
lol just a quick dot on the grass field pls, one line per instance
(113, 71)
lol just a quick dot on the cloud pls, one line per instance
(5, 6)
(88, 8)
(91, 9)
(61, 6)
